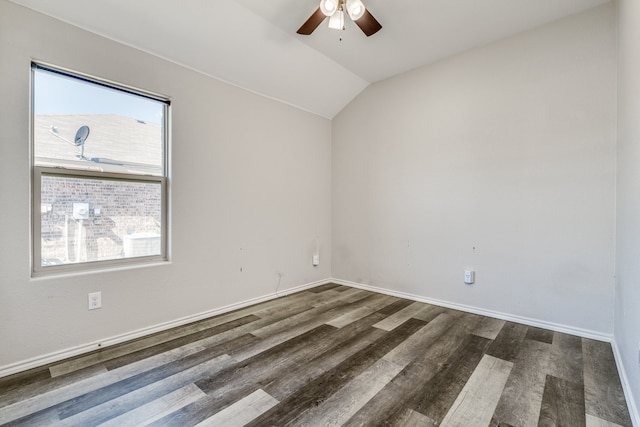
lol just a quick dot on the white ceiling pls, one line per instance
(253, 43)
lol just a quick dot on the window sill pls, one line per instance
(40, 275)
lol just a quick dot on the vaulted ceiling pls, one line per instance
(253, 43)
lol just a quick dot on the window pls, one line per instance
(99, 172)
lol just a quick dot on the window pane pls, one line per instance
(92, 143)
(90, 219)
(124, 132)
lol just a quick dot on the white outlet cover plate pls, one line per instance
(95, 300)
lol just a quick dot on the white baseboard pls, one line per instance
(628, 392)
(75, 351)
(585, 333)
(85, 348)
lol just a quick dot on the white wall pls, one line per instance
(508, 149)
(250, 186)
(627, 308)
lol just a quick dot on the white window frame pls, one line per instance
(60, 171)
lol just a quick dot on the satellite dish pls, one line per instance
(81, 136)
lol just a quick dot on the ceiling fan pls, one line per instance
(334, 10)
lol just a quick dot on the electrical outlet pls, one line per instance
(469, 277)
(95, 300)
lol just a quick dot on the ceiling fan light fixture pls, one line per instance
(335, 10)
(355, 9)
(336, 21)
(328, 7)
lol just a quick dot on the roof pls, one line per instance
(115, 143)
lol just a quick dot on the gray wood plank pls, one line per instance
(10, 383)
(566, 359)
(26, 390)
(405, 388)
(241, 331)
(478, 399)
(350, 296)
(521, 399)
(395, 307)
(146, 395)
(153, 410)
(275, 365)
(604, 397)
(400, 317)
(593, 421)
(507, 343)
(430, 312)
(350, 317)
(489, 327)
(242, 412)
(496, 423)
(562, 404)
(46, 417)
(415, 345)
(348, 400)
(324, 297)
(179, 342)
(290, 382)
(296, 303)
(143, 379)
(326, 384)
(288, 329)
(378, 301)
(90, 385)
(326, 310)
(411, 418)
(539, 334)
(322, 288)
(439, 393)
(274, 306)
(266, 364)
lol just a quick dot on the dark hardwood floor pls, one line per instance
(332, 355)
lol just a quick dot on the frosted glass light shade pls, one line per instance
(336, 21)
(328, 7)
(355, 9)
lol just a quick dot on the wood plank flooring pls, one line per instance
(329, 356)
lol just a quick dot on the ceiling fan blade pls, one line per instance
(312, 23)
(368, 24)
